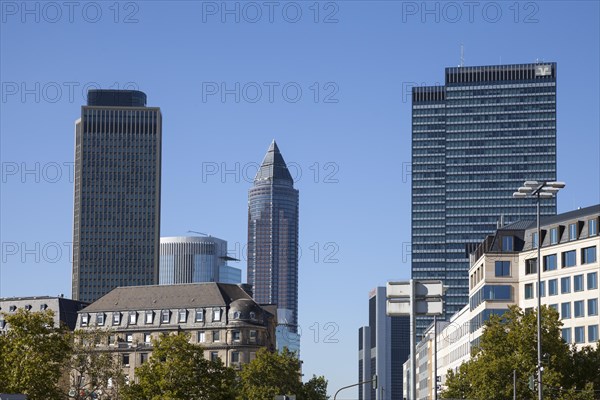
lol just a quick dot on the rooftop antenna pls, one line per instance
(200, 233)
(462, 55)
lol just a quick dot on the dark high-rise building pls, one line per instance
(273, 239)
(383, 347)
(475, 140)
(116, 224)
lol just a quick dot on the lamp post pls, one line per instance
(538, 191)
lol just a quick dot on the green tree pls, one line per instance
(315, 389)
(177, 370)
(33, 354)
(94, 374)
(271, 374)
(508, 344)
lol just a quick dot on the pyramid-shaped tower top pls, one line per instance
(273, 166)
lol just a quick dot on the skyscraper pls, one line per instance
(193, 259)
(474, 141)
(383, 347)
(116, 224)
(273, 241)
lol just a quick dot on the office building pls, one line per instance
(474, 141)
(222, 318)
(193, 259)
(503, 272)
(273, 243)
(383, 347)
(116, 224)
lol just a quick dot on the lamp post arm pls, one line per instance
(349, 386)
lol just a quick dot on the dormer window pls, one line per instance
(554, 236)
(85, 319)
(43, 307)
(165, 316)
(216, 314)
(572, 231)
(508, 243)
(116, 318)
(236, 315)
(28, 307)
(182, 315)
(199, 315)
(132, 317)
(252, 315)
(149, 317)
(12, 308)
(100, 319)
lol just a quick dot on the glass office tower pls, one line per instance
(116, 224)
(475, 140)
(273, 241)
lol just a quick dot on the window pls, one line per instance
(569, 259)
(542, 289)
(565, 310)
(531, 266)
(111, 339)
(126, 360)
(147, 338)
(550, 262)
(165, 316)
(129, 338)
(132, 317)
(252, 335)
(143, 358)
(27, 307)
(149, 317)
(578, 283)
(507, 243)
(534, 240)
(554, 307)
(216, 314)
(116, 318)
(2, 323)
(214, 356)
(553, 236)
(236, 315)
(182, 315)
(552, 287)
(12, 308)
(565, 284)
(216, 336)
(529, 291)
(235, 357)
(199, 315)
(201, 336)
(502, 268)
(593, 307)
(579, 334)
(592, 280)
(588, 255)
(572, 231)
(592, 227)
(566, 335)
(578, 310)
(252, 315)
(43, 307)
(593, 333)
(85, 319)
(100, 319)
(236, 336)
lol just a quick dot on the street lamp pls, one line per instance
(539, 190)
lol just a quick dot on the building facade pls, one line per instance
(273, 242)
(383, 347)
(193, 259)
(474, 141)
(65, 310)
(503, 272)
(116, 223)
(222, 318)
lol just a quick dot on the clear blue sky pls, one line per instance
(351, 155)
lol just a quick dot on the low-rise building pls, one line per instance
(65, 310)
(223, 318)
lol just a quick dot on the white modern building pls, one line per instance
(503, 272)
(193, 259)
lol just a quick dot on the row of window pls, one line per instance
(235, 357)
(565, 285)
(578, 308)
(592, 334)
(28, 307)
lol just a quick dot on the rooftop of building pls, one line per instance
(152, 297)
(116, 98)
(273, 166)
(554, 219)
